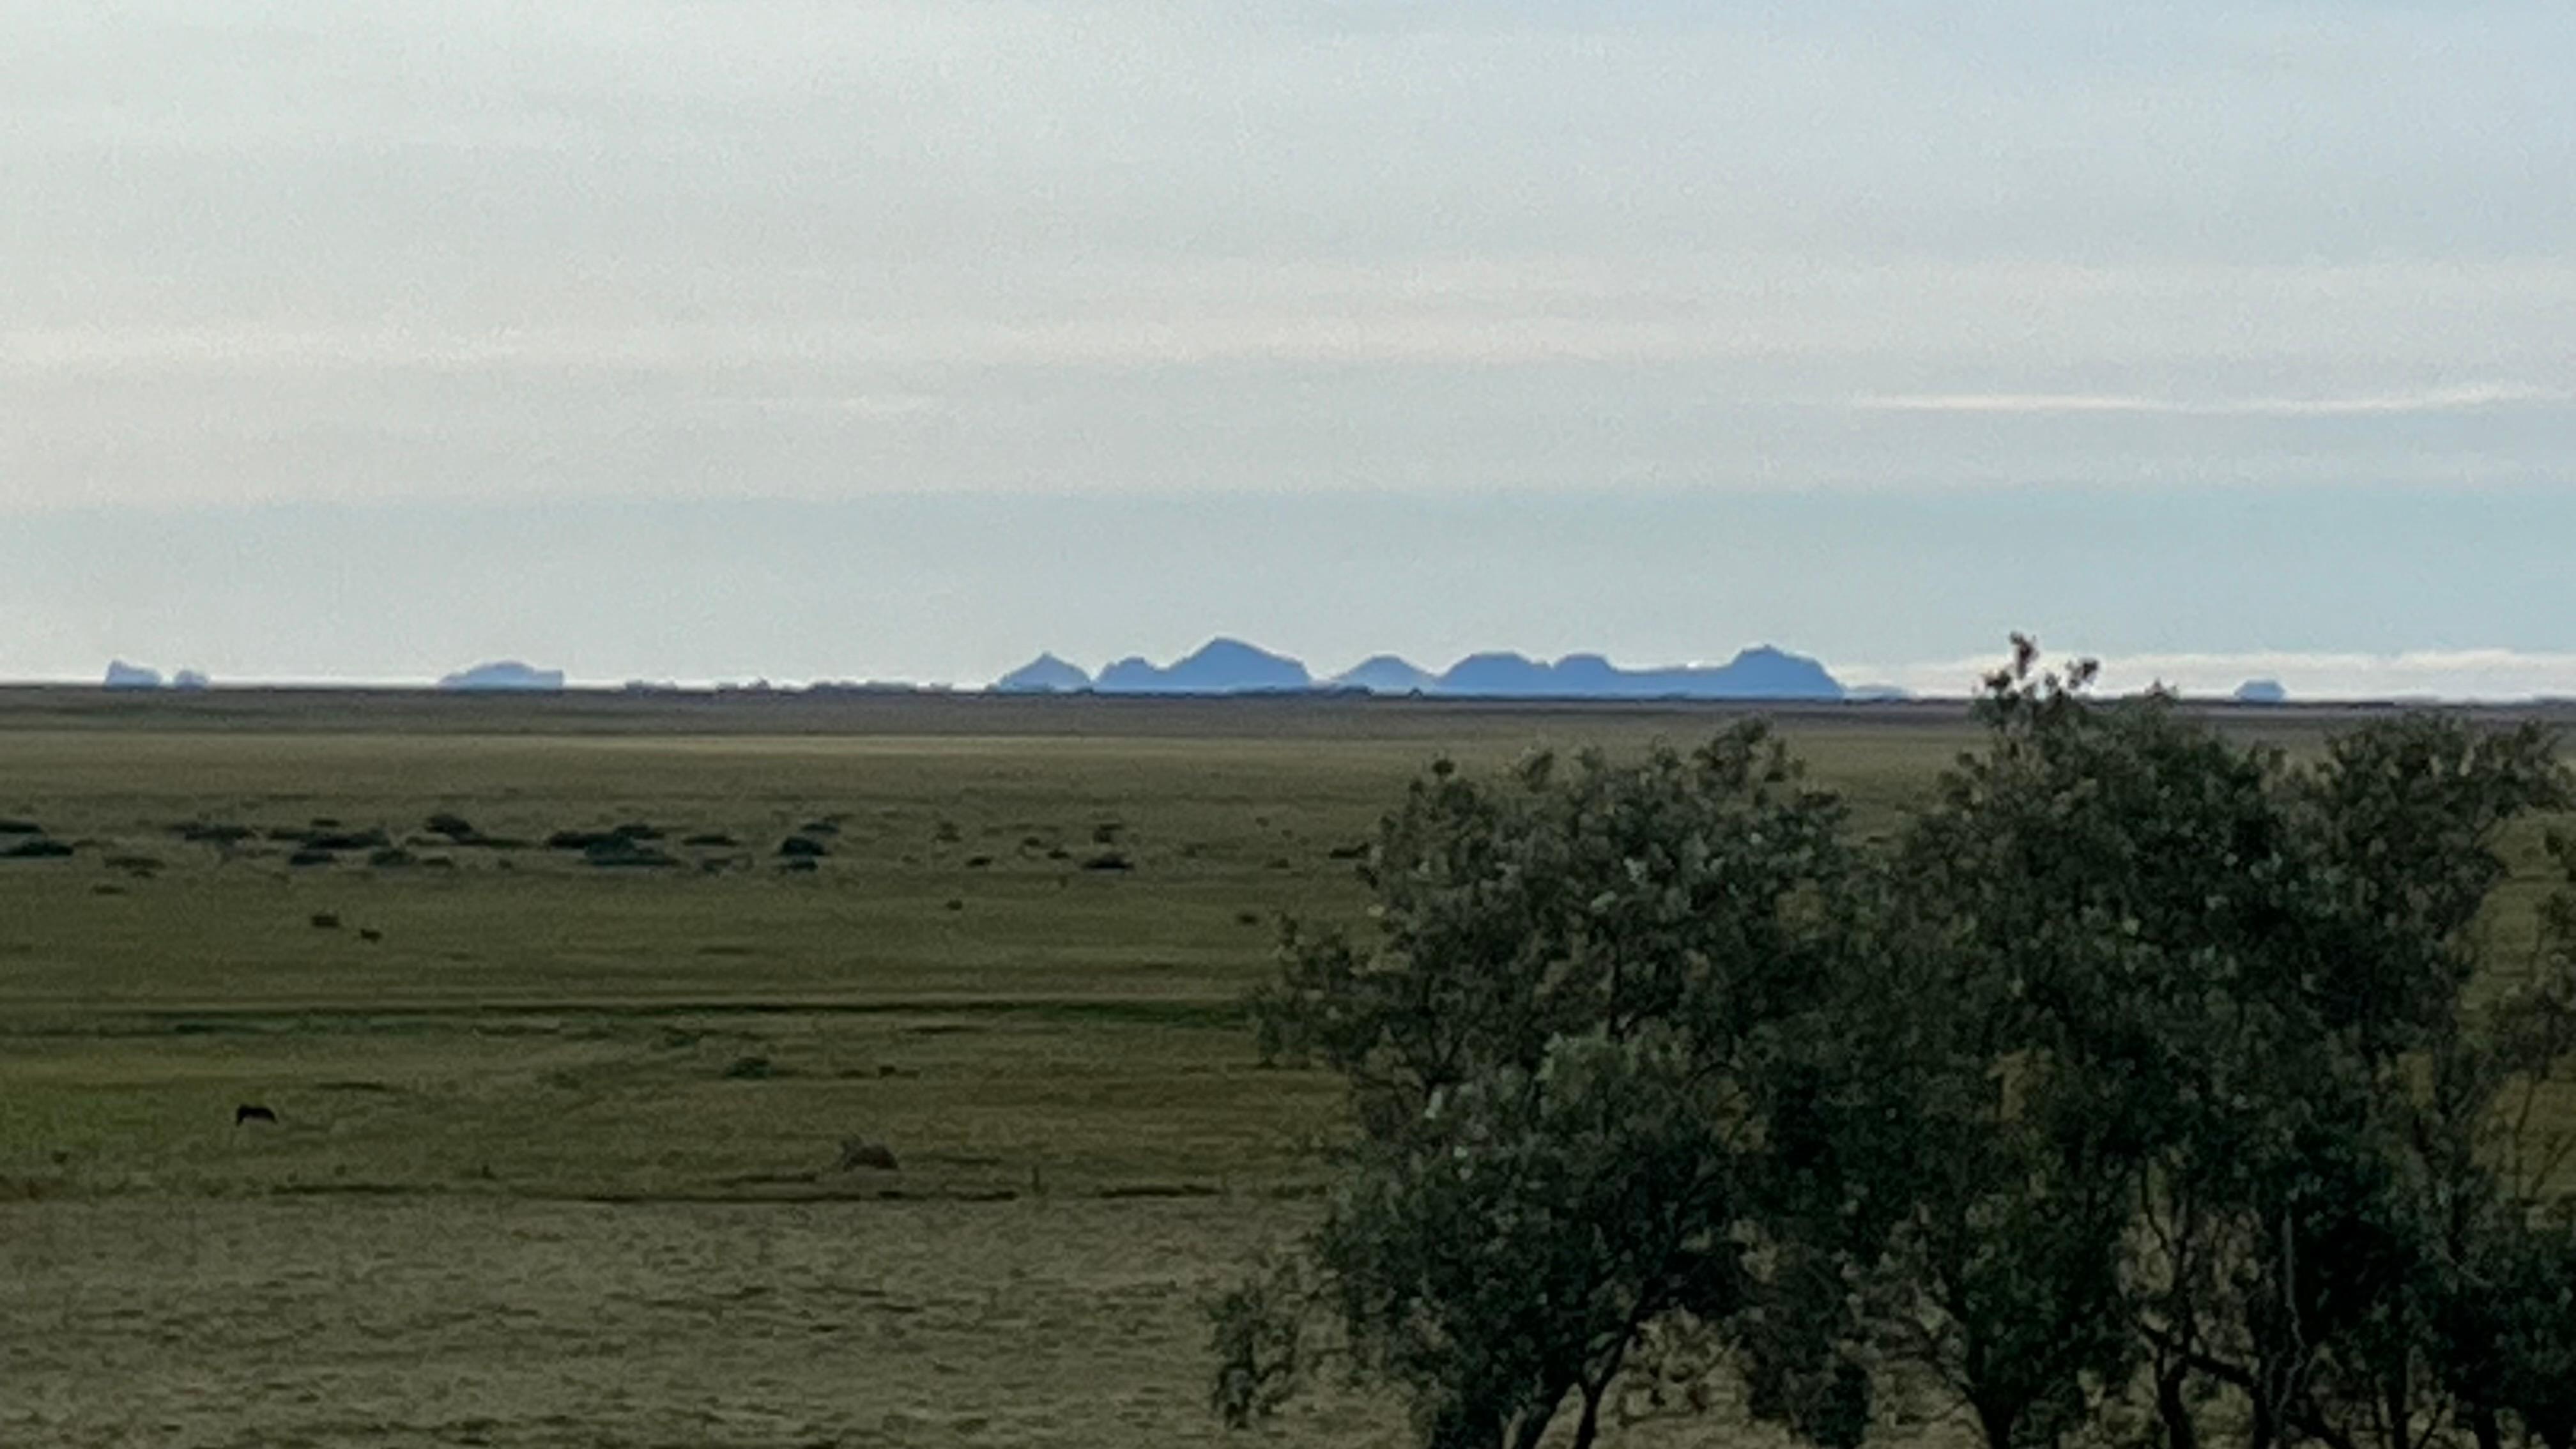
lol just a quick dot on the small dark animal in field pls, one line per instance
(247, 1113)
(325, 921)
(857, 1152)
(370, 934)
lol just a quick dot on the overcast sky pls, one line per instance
(713, 340)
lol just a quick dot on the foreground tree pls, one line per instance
(2141, 1070)
(1554, 1044)
(2205, 981)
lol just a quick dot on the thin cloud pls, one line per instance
(2448, 674)
(2465, 398)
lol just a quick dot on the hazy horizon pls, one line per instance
(899, 588)
(658, 339)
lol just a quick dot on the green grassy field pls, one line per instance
(560, 1149)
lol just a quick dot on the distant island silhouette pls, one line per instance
(505, 674)
(121, 675)
(1231, 666)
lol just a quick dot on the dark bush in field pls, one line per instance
(392, 857)
(36, 847)
(625, 851)
(325, 921)
(12, 826)
(213, 832)
(1108, 860)
(347, 840)
(627, 834)
(2134, 1092)
(713, 840)
(312, 857)
(453, 826)
(804, 846)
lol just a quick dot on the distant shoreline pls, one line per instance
(1320, 715)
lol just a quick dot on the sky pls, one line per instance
(823, 339)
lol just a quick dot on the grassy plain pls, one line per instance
(559, 1150)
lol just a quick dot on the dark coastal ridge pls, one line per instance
(1225, 667)
(1230, 666)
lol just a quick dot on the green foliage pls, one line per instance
(2137, 1073)
(2209, 982)
(1259, 1341)
(1576, 974)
